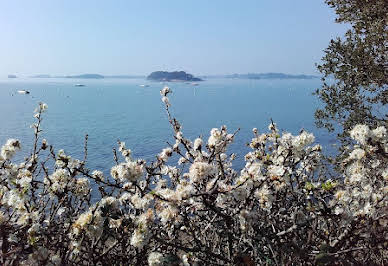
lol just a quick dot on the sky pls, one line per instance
(201, 37)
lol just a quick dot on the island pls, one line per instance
(86, 76)
(270, 76)
(124, 77)
(41, 76)
(12, 76)
(172, 76)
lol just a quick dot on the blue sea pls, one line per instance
(112, 109)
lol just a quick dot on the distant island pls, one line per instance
(41, 76)
(125, 77)
(270, 76)
(86, 76)
(181, 76)
(172, 76)
(12, 76)
(90, 76)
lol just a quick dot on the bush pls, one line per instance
(283, 207)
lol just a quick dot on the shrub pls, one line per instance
(283, 207)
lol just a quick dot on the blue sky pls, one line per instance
(138, 37)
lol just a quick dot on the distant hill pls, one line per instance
(86, 76)
(12, 76)
(172, 76)
(41, 76)
(125, 76)
(270, 76)
(90, 76)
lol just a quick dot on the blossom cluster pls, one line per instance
(285, 205)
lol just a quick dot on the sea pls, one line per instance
(112, 109)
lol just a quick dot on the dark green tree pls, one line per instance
(354, 68)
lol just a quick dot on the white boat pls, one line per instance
(142, 85)
(23, 92)
(79, 85)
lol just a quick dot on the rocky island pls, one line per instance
(172, 76)
(270, 76)
(86, 76)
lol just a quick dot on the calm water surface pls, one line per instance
(112, 109)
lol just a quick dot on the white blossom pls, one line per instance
(360, 133)
(10, 148)
(197, 143)
(155, 259)
(200, 170)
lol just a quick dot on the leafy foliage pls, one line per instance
(358, 65)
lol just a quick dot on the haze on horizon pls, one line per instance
(138, 37)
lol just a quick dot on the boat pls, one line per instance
(142, 85)
(79, 85)
(23, 92)
(195, 84)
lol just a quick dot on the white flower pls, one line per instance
(83, 220)
(140, 202)
(182, 160)
(272, 127)
(43, 107)
(360, 133)
(357, 154)
(13, 199)
(145, 218)
(25, 181)
(155, 259)
(379, 133)
(338, 210)
(109, 201)
(139, 238)
(165, 91)
(98, 175)
(62, 159)
(163, 156)
(10, 148)
(303, 140)
(197, 143)
(168, 214)
(356, 172)
(34, 229)
(166, 101)
(179, 135)
(82, 186)
(276, 170)
(58, 181)
(125, 197)
(339, 194)
(215, 138)
(254, 168)
(200, 170)
(61, 211)
(184, 190)
(264, 195)
(130, 171)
